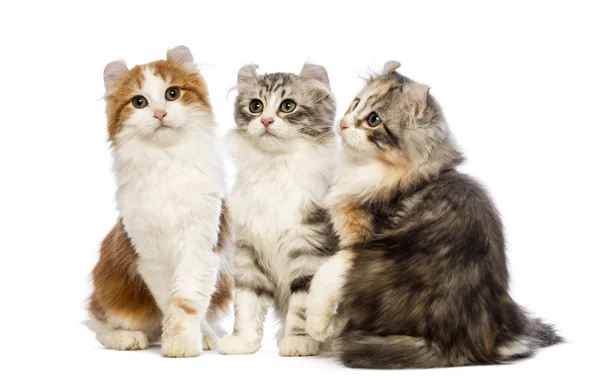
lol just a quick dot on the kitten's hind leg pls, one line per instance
(122, 310)
(117, 338)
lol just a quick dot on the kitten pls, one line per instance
(170, 247)
(285, 156)
(421, 278)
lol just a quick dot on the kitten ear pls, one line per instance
(417, 94)
(247, 73)
(390, 67)
(113, 73)
(315, 71)
(181, 55)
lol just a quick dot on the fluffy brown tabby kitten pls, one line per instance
(421, 279)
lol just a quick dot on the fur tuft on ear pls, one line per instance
(417, 94)
(247, 73)
(181, 55)
(390, 67)
(315, 71)
(113, 73)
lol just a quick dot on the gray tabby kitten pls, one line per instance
(421, 278)
(285, 156)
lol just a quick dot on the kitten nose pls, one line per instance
(344, 125)
(267, 122)
(160, 115)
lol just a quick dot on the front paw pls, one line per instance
(236, 345)
(317, 326)
(183, 345)
(298, 346)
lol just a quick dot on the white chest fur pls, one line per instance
(270, 194)
(165, 194)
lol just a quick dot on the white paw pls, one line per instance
(298, 346)
(317, 326)
(208, 342)
(184, 345)
(123, 340)
(236, 345)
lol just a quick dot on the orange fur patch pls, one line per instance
(224, 288)
(357, 226)
(225, 234)
(380, 89)
(118, 102)
(398, 172)
(223, 294)
(185, 305)
(119, 291)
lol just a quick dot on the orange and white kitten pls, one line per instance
(165, 265)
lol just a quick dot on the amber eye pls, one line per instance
(256, 106)
(373, 120)
(172, 93)
(287, 106)
(139, 102)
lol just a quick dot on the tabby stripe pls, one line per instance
(301, 284)
(258, 290)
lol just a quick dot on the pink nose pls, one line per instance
(267, 122)
(343, 124)
(160, 115)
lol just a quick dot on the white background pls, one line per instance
(519, 85)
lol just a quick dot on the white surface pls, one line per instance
(519, 85)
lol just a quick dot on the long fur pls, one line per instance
(164, 269)
(421, 279)
(283, 231)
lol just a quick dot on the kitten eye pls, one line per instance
(287, 106)
(172, 93)
(139, 102)
(256, 106)
(354, 104)
(373, 120)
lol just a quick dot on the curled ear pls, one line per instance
(417, 94)
(181, 55)
(315, 71)
(247, 73)
(113, 73)
(390, 67)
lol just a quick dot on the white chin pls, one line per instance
(164, 134)
(350, 145)
(270, 143)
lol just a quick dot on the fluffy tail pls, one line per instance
(539, 334)
(359, 350)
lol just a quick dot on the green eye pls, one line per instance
(139, 102)
(256, 106)
(287, 106)
(373, 120)
(172, 93)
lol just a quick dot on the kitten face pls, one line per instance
(274, 110)
(388, 118)
(157, 102)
